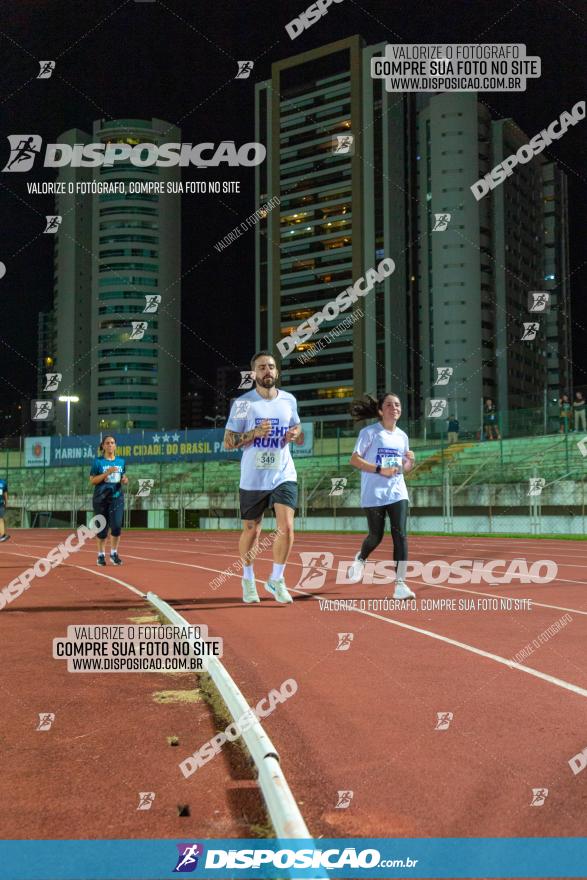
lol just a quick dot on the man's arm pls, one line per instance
(236, 440)
(292, 433)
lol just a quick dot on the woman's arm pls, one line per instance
(363, 465)
(408, 461)
(99, 478)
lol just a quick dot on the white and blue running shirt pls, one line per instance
(379, 446)
(266, 463)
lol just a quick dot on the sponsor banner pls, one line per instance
(307, 447)
(137, 446)
(371, 858)
(37, 451)
(144, 447)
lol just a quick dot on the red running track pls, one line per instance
(364, 719)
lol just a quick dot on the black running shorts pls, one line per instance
(254, 502)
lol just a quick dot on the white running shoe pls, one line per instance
(278, 590)
(356, 571)
(402, 591)
(249, 591)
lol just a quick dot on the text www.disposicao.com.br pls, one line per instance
(135, 664)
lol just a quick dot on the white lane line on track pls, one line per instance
(471, 648)
(497, 595)
(91, 570)
(412, 580)
(478, 541)
(302, 541)
(109, 577)
(343, 541)
(299, 565)
(380, 554)
(511, 664)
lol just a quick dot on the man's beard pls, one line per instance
(267, 382)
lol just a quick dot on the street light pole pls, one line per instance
(68, 400)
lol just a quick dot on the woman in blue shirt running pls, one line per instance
(107, 475)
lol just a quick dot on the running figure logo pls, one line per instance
(344, 641)
(145, 487)
(146, 799)
(538, 301)
(24, 149)
(443, 375)
(530, 331)
(247, 380)
(187, 860)
(244, 69)
(138, 329)
(539, 795)
(338, 484)
(315, 566)
(343, 143)
(536, 485)
(53, 223)
(46, 69)
(441, 222)
(344, 800)
(443, 720)
(153, 300)
(42, 410)
(52, 381)
(242, 409)
(436, 408)
(46, 719)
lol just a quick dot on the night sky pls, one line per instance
(176, 60)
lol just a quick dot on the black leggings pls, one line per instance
(398, 515)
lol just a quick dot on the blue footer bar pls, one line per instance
(363, 857)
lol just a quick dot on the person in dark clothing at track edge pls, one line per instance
(3, 503)
(107, 475)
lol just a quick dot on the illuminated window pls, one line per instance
(301, 314)
(343, 391)
(337, 243)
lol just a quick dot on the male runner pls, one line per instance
(262, 423)
(3, 503)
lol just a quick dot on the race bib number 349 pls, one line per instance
(268, 459)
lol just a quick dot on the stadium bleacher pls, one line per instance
(552, 457)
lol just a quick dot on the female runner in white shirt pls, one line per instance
(382, 454)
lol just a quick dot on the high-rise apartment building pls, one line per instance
(459, 296)
(113, 251)
(556, 280)
(344, 206)
(476, 276)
